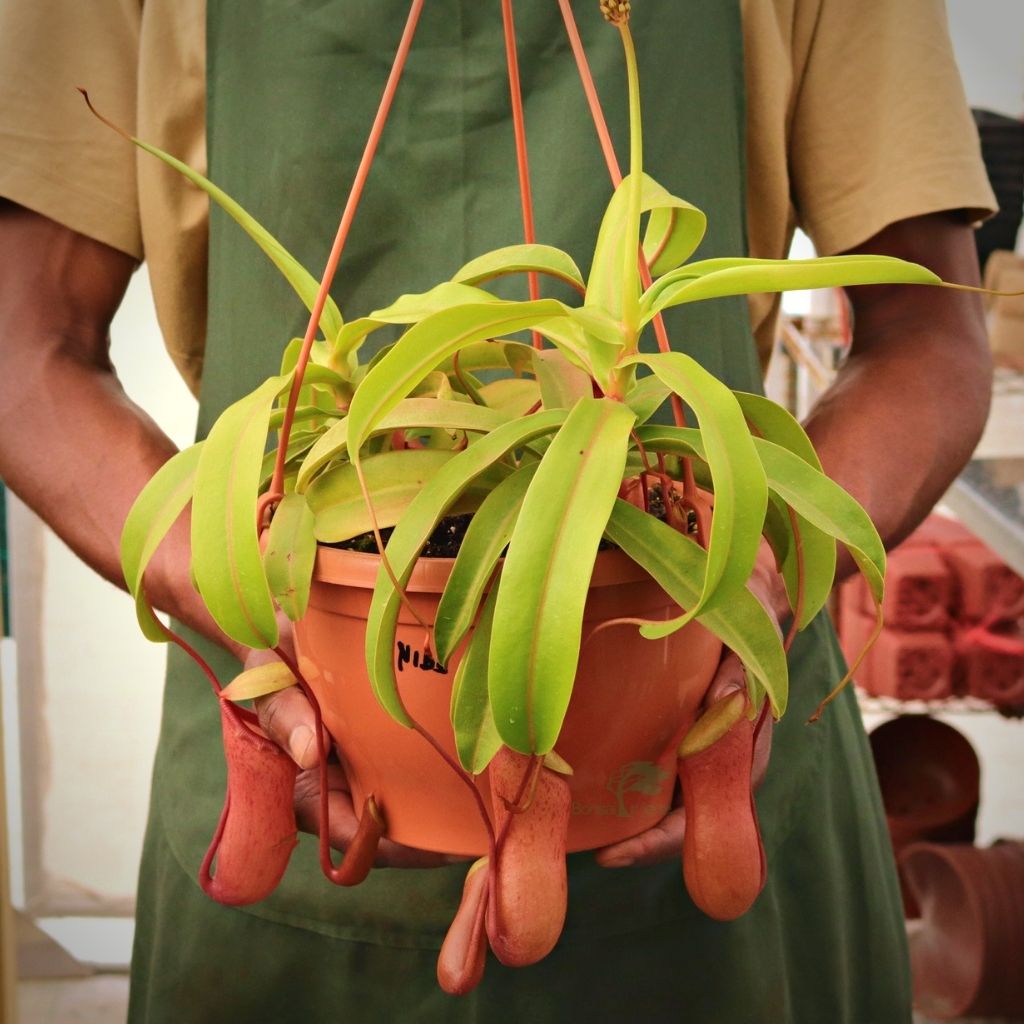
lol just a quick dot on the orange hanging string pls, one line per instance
(522, 160)
(604, 137)
(355, 193)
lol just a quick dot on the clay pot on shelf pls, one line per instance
(965, 952)
(930, 777)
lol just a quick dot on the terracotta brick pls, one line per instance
(986, 588)
(912, 665)
(941, 532)
(991, 665)
(918, 589)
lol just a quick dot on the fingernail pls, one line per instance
(299, 743)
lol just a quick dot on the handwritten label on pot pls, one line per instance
(421, 660)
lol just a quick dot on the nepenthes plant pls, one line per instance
(533, 418)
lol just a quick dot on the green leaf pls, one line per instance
(428, 343)
(610, 288)
(817, 549)
(416, 526)
(605, 341)
(646, 397)
(487, 535)
(514, 259)
(410, 309)
(289, 555)
(714, 279)
(827, 506)
(226, 558)
(428, 413)
(476, 736)
(562, 384)
(298, 443)
(259, 681)
(393, 479)
(774, 423)
(819, 500)
(515, 396)
(305, 285)
(678, 564)
(491, 354)
(538, 620)
(741, 491)
(571, 340)
(152, 515)
(674, 229)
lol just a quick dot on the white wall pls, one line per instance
(988, 37)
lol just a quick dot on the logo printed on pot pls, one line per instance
(422, 660)
(643, 777)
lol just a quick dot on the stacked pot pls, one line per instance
(964, 904)
(966, 949)
(953, 621)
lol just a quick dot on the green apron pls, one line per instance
(292, 88)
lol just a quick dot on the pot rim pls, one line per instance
(359, 569)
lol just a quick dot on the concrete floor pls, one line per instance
(100, 999)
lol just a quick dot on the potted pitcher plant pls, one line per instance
(510, 588)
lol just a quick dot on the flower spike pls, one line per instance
(616, 11)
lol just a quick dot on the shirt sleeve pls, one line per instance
(55, 157)
(881, 130)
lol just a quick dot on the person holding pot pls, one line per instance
(846, 119)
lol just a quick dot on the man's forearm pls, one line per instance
(72, 445)
(909, 405)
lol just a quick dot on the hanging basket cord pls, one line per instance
(522, 158)
(615, 173)
(276, 489)
(348, 215)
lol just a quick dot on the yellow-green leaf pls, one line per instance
(259, 681)
(289, 555)
(226, 560)
(152, 515)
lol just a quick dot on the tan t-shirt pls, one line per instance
(856, 119)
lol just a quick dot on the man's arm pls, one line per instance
(77, 450)
(73, 446)
(909, 404)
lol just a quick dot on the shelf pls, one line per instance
(949, 706)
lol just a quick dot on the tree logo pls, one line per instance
(635, 777)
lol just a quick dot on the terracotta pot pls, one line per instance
(634, 700)
(966, 951)
(929, 776)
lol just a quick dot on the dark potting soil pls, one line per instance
(446, 540)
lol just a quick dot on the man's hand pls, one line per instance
(664, 841)
(287, 718)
